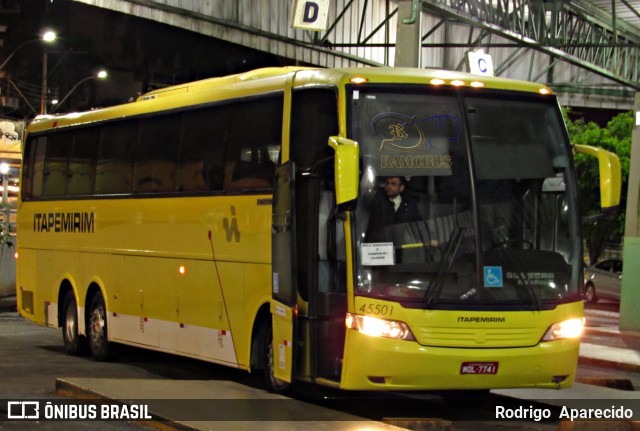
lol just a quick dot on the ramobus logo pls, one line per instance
(474, 319)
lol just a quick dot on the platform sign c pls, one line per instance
(480, 63)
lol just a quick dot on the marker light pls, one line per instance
(437, 81)
(358, 80)
(544, 91)
(182, 270)
(477, 84)
(571, 328)
(375, 327)
(457, 83)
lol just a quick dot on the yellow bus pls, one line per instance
(241, 220)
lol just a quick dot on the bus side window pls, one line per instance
(190, 176)
(34, 166)
(253, 136)
(314, 117)
(201, 153)
(253, 170)
(114, 168)
(82, 167)
(156, 153)
(56, 169)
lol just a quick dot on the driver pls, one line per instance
(390, 207)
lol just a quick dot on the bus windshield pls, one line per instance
(467, 199)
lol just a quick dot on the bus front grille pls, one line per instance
(478, 338)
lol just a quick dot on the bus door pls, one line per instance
(321, 273)
(284, 307)
(308, 266)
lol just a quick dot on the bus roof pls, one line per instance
(272, 79)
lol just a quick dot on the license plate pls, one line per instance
(479, 368)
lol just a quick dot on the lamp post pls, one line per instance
(48, 36)
(100, 75)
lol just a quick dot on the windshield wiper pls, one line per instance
(435, 285)
(535, 301)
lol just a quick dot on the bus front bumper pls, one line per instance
(375, 363)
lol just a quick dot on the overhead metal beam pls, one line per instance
(361, 32)
(620, 65)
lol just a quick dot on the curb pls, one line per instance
(599, 426)
(69, 390)
(604, 363)
(607, 363)
(611, 331)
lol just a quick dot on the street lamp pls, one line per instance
(48, 37)
(100, 75)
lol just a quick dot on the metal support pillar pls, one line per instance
(630, 297)
(408, 33)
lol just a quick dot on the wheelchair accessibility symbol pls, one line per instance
(493, 276)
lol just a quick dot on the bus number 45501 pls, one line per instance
(378, 309)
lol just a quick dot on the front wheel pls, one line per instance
(74, 343)
(101, 348)
(267, 361)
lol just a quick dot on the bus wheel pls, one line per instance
(272, 383)
(101, 348)
(74, 343)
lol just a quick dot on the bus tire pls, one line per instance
(272, 383)
(101, 348)
(74, 343)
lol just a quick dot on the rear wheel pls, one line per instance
(590, 294)
(74, 343)
(101, 348)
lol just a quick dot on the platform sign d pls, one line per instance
(480, 63)
(310, 15)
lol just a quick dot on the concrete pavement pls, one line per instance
(241, 407)
(607, 347)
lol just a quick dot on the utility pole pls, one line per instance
(43, 85)
(408, 33)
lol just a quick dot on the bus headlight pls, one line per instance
(379, 327)
(571, 328)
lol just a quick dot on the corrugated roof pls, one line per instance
(627, 11)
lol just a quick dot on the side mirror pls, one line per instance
(347, 153)
(610, 176)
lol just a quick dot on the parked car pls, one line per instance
(603, 280)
